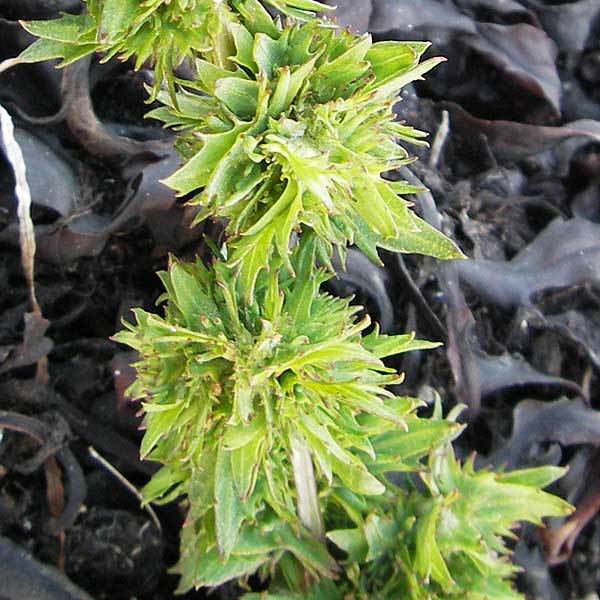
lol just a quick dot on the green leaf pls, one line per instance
(393, 84)
(279, 206)
(389, 58)
(381, 535)
(240, 436)
(158, 424)
(343, 69)
(251, 257)
(310, 552)
(213, 570)
(300, 302)
(43, 49)
(209, 74)
(390, 345)
(116, 18)
(429, 561)
(163, 481)
(245, 444)
(357, 477)
(239, 95)
(289, 86)
(267, 54)
(278, 102)
(351, 471)
(234, 177)
(202, 485)
(244, 43)
(422, 436)
(191, 298)
(425, 240)
(534, 477)
(374, 211)
(256, 18)
(229, 513)
(245, 462)
(197, 172)
(356, 396)
(68, 28)
(351, 541)
(307, 5)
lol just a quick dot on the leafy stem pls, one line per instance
(264, 399)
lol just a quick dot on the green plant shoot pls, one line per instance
(265, 399)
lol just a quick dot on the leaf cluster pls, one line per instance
(294, 135)
(446, 540)
(229, 387)
(162, 33)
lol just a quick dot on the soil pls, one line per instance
(515, 181)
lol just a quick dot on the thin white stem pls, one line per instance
(440, 140)
(125, 482)
(9, 63)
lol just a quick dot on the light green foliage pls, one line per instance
(446, 541)
(162, 32)
(265, 399)
(295, 135)
(436, 536)
(226, 386)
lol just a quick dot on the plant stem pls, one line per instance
(306, 488)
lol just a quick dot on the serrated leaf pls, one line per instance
(429, 561)
(310, 552)
(116, 17)
(351, 541)
(244, 43)
(197, 172)
(267, 53)
(373, 210)
(68, 28)
(167, 478)
(250, 258)
(307, 5)
(381, 535)
(229, 513)
(209, 74)
(237, 437)
(202, 485)
(358, 398)
(425, 240)
(300, 302)
(245, 462)
(245, 444)
(212, 570)
(390, 345)
(351, 471)
(422, 436)
(357, 477)
(158, 424)
(393, 84)
(256, 17)
(43, 49)
(280, 205)
(389, 58)
(191, 298)
(538, 477)
(239, 95)
(285, 95)
(343, 69)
